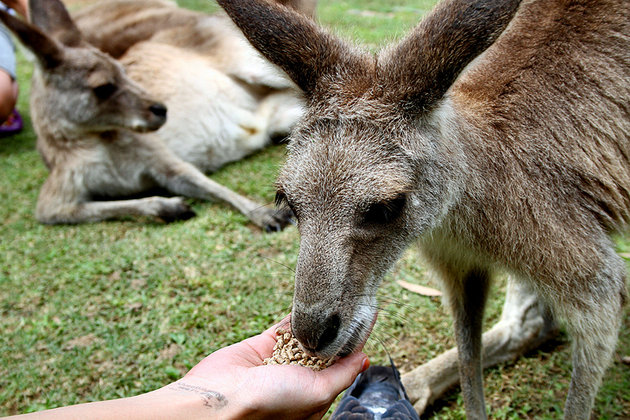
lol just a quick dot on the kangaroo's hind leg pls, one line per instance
(592, 309)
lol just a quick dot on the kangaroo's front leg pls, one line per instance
(525, 325)
(467, 291)
(185, 179)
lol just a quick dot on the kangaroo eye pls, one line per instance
(105, 91)
(384, 212)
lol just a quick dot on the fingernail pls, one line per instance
(365, 365)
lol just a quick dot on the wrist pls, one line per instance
(191, 399)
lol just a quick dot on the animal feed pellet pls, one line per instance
(287, 351)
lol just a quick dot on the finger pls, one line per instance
(340, 375)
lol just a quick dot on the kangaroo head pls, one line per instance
(355, 198)
(369, 169)
(76, 86)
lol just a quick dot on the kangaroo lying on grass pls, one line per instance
(225, 101)
(496, 134)
(92, 123)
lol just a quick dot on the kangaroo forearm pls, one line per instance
(195, 184)
(430, 381)
(524, 326)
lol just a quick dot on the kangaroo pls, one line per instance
(496, 135)
(94, 127)
(225, 101)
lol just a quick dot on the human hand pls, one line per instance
(233, 382)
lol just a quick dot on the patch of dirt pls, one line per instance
(138, 284)
(81, 342)
(169, 353)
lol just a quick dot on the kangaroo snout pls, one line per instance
(152, 119)
(334, 328)
(315, 329)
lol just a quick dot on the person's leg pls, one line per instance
(8, 95)
(10, 120)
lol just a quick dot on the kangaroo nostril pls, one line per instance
(158, 110)
(331, 329)
(315, 330)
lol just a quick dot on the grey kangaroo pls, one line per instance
(224, 100)
(496, 134)
(94, 126)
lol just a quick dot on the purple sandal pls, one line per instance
(12, 125)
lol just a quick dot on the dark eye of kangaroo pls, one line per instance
(105, 91)
(384, 212)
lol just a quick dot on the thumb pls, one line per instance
(340, 375)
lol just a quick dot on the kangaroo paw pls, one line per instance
(277, 220)
(175, 209)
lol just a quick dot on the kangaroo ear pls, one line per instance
(46, 49)
(52, 17)
(422, 67)
(291, 41)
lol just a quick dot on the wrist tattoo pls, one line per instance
(211, 399)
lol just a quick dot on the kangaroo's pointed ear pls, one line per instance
(291, 41)
(422, 67)
(47, 50)
(52, 17)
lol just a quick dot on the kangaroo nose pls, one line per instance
(316, 334)
(158, 110)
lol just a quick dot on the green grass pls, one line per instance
(114, 309)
